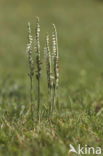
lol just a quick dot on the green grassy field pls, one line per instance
(79, 119)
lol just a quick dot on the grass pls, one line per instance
(79, 118)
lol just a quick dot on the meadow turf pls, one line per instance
(79, 116)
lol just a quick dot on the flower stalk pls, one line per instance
(38, 62)
(55, 64)
(31, 65)
(49, 72)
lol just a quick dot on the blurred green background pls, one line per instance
(80, 35)
(80, 32)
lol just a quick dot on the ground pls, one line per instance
(79, 116)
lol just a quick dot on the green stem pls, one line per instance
(31, 96)
(50, 100)
(38, 111)
(53, 105)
